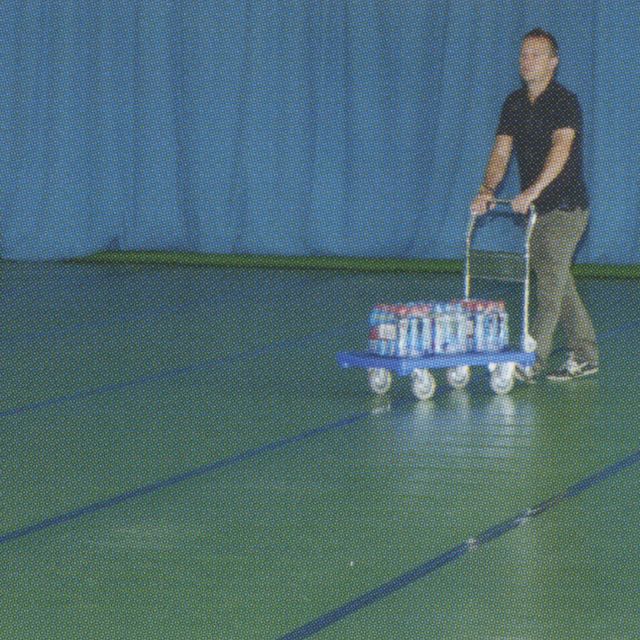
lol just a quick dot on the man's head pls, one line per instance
(538, 57)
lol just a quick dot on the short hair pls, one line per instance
(541, 33)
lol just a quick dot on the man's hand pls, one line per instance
(482, 203)
(522, 202)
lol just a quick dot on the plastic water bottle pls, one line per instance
(425, 336)
(446, 312)
(382, 329)
(504, 325)
(489, 327)
(373, 340)
(391, 331)
(461, 328)
(456, 326)
(379, 316)
(479, 327)
(402, 346)
(494, 327)
(454, 331)
(415, 323)
(468, 309)
(438, 328)
(373, 329)
(451, 328)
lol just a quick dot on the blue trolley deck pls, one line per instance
(406, 366)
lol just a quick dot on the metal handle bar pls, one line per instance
(501, 206)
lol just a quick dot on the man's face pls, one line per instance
(537, 62)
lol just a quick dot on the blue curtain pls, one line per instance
(292, 127)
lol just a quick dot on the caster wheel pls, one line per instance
(423, 384)
(458, 377)
(379, 381)
(503, 377)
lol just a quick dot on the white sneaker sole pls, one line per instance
(573, 377)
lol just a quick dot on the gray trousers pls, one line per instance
(553, 244)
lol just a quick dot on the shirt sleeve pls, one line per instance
(508, 123)
(567, 114)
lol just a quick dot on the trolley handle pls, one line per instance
(501, 206)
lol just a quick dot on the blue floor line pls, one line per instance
(430, 566)
(198, 472)
(60, 282)
(100, 324)
(31, 289)
(176, 372)
(235, 294)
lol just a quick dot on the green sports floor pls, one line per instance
(181, 457)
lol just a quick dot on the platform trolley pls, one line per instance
(501, 364)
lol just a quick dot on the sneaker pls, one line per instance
(572, 370)
(528, 375)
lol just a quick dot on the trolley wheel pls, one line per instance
(503, 377)
(458, 377)
(379, 380)
(423, 384)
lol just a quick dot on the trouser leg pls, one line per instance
(553, 244)
(577, 325)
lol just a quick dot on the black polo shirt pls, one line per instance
(531, 126)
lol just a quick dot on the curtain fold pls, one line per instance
(298, 127)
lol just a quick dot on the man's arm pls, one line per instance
(494, 173)
(557, 158)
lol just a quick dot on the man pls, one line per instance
(542, 121)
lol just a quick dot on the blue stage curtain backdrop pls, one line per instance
(292, 127)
